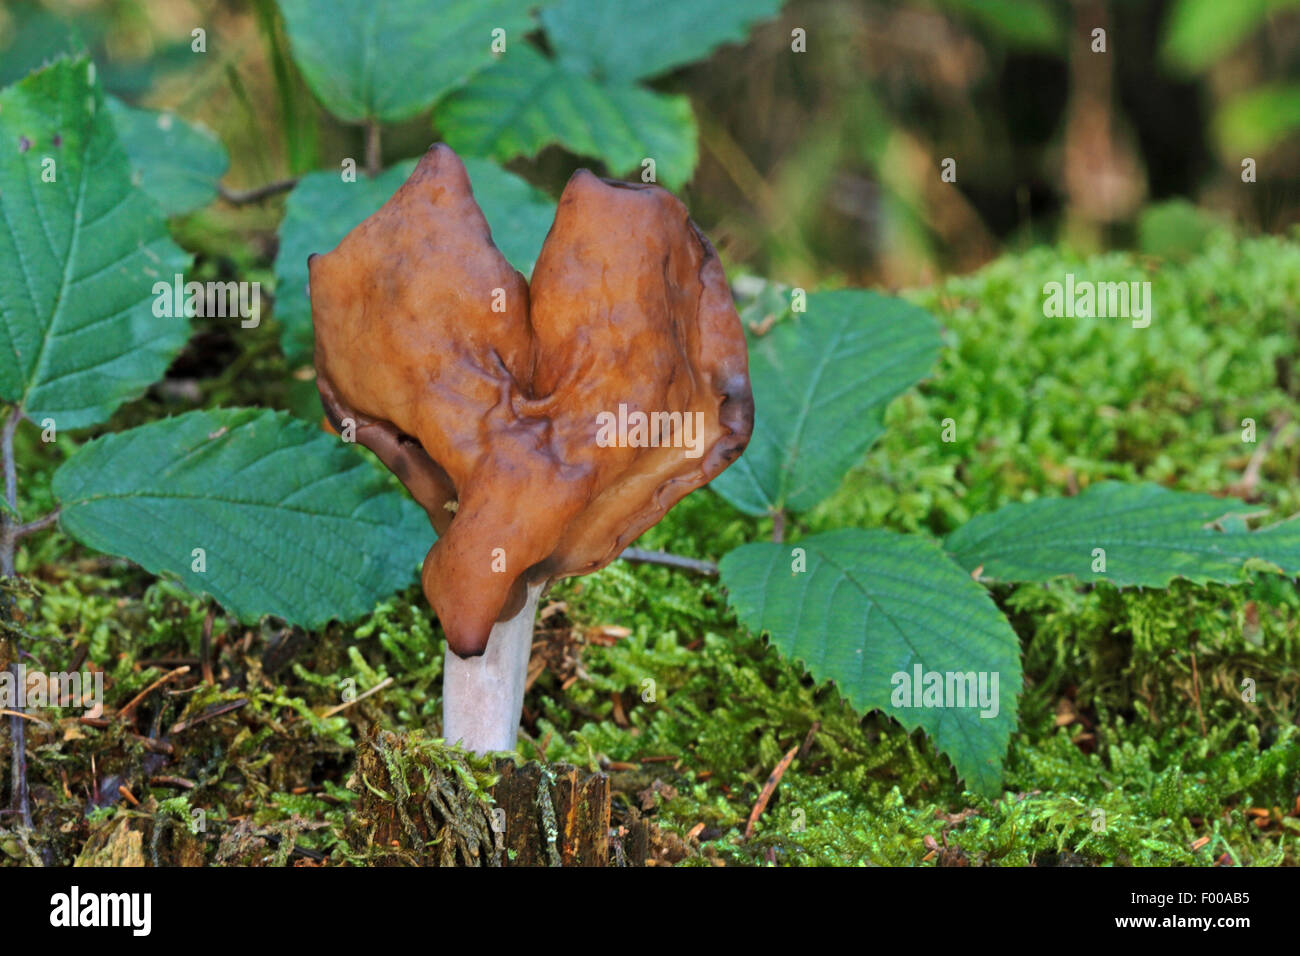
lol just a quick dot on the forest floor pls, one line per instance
(1133, 747)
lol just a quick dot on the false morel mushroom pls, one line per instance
(542, 428)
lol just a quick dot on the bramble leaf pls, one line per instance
(619, 41)
(289, 522)
(873, 605)
(79, 255)
(388, 61)
(1150, 535)
(528, 101)
(821, 382)
(176, 163)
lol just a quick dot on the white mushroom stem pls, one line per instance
(483, 697)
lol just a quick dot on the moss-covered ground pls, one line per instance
(1135, 745)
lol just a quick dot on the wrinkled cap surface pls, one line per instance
(543, 429)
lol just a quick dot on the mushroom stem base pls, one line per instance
(483, 697)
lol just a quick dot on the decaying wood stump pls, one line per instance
(421, 803)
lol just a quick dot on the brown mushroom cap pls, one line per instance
(488, 405)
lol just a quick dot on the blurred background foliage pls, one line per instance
(823, 167)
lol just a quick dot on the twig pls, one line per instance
(10, 466)
(778, 526)
(5, 711)
(204, 717)
(31, 527)
(244, 197)
(154, 745)
(1196, 693)
(645, 556)
(181, 782)
(8, 542)
(769, 788)
(9, 518)
(163, 662)
(808, 741)
(373, 153)
(125, 712)
(1250, 477)
(151, 744)
(205, 647)
(18, 734)
(360, 697)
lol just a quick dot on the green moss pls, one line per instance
(1137, 744)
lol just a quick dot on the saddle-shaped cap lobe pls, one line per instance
(486, 398)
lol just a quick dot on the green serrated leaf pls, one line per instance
(79, 255)
(1150, 535)
(322, 209)
(626, 40)
(528, 101)
(821, 383)
(873, 605)
(388, 61)
(174, 162)
(290, 522)
(33, 36)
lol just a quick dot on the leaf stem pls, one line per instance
(40, 524)
(9, 519)
(644, 556)
(243, 197)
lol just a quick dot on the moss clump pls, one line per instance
(421, 803)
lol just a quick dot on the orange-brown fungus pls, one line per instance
(488, 398)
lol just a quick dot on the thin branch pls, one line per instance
(6, 712)
(18, 733)
(8, 525)
(243, 197)
(9, 518)
(205, 646)
(373, 153)
(183, 783)
(7, 451)
(125, 712)
(387, 681)
(642, 556)
(769, 788)
(219, 711)
(1196, 693)
(40, 524)
(1245, 488)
